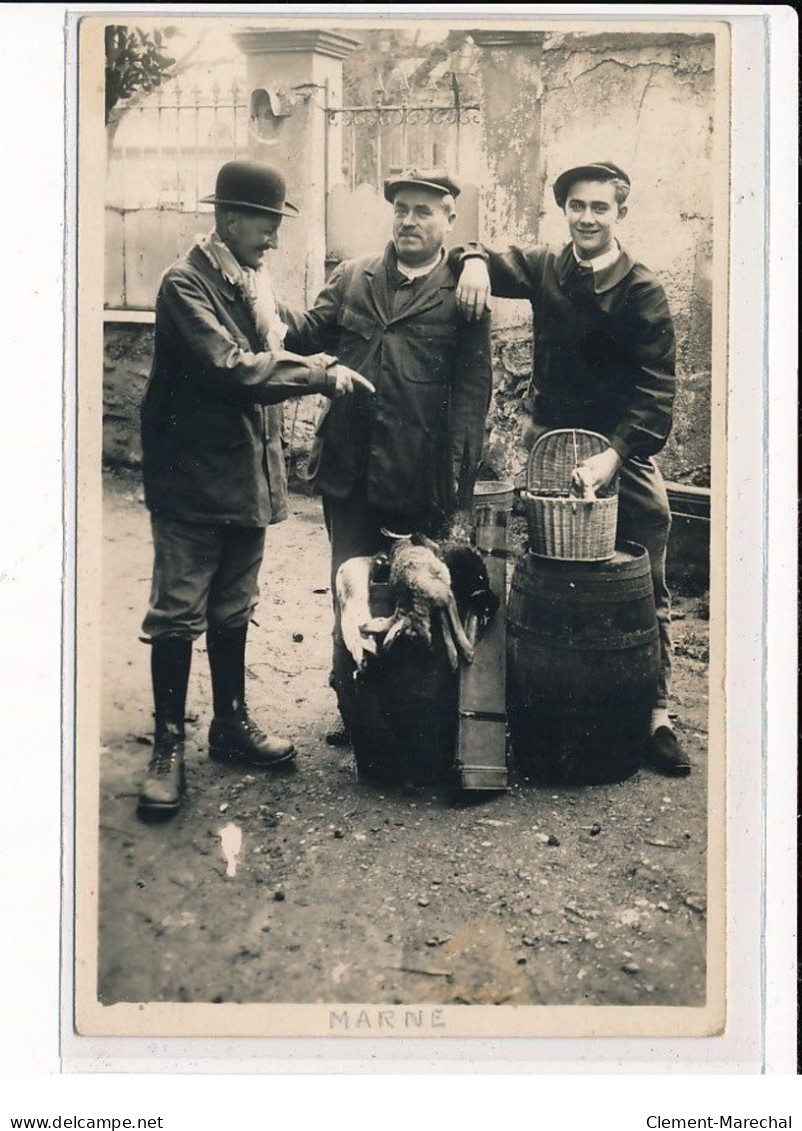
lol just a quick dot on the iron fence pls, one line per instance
(165, 153)
(381, 139)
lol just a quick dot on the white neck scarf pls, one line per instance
(256, 287)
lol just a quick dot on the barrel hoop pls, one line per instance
(484, 716)
(612, 595)
(638, 639)
(477, 768)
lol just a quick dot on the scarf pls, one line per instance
(256, 288)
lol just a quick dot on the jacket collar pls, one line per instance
(201, 263)
(429, 290)
(603, 280)
(599, 262)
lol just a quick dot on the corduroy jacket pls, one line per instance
(211, 415)
(406, 445)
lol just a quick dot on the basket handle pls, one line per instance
(547, 437)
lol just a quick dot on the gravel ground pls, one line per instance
(311, 886)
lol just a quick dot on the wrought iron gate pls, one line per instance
(380, 140)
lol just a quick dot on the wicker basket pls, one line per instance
(561, 525)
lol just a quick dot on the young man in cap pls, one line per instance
(603, 361)
(394, 460)
(213, 467)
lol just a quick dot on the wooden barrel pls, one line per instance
(582, 665)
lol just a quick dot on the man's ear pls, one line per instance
(622, 211)
(224, 224)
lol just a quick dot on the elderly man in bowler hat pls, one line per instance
(604, 361)
(213, 467)
(395, 460)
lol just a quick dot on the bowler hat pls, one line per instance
(252, 184)
(438, 180)
(594, 171)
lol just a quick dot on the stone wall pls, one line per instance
(503, 457)
(127, 354)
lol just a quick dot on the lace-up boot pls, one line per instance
(164, 785)
(234, 736)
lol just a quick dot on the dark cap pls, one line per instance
(252, 184)
(594, 171)
(438, 180)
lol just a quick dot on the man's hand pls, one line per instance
(599, 469)
(346, 382)
(473, 289)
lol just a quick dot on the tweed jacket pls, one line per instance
(211, 414)
(405, 446)
(603, 345)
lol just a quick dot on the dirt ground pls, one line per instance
(311, 886)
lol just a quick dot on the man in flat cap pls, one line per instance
(603, 361)
(213, 467)
(395, 460)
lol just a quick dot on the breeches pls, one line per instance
(203, 577)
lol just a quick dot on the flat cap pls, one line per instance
(438, 180)
(593, 171)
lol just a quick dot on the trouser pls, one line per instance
(204, 577)
(644, 517)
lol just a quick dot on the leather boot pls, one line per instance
(665, 754)
(234, 736)
(165, 782)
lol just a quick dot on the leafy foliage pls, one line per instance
(393, 64)
(136, 62)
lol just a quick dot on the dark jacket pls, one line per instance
(211, 415)
(603, 348)
(405, 445)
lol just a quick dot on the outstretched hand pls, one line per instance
(347, 382)
(473, 289)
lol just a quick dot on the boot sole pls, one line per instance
(145, 805)
(222, 754)
(161, 808)
(668, 770)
